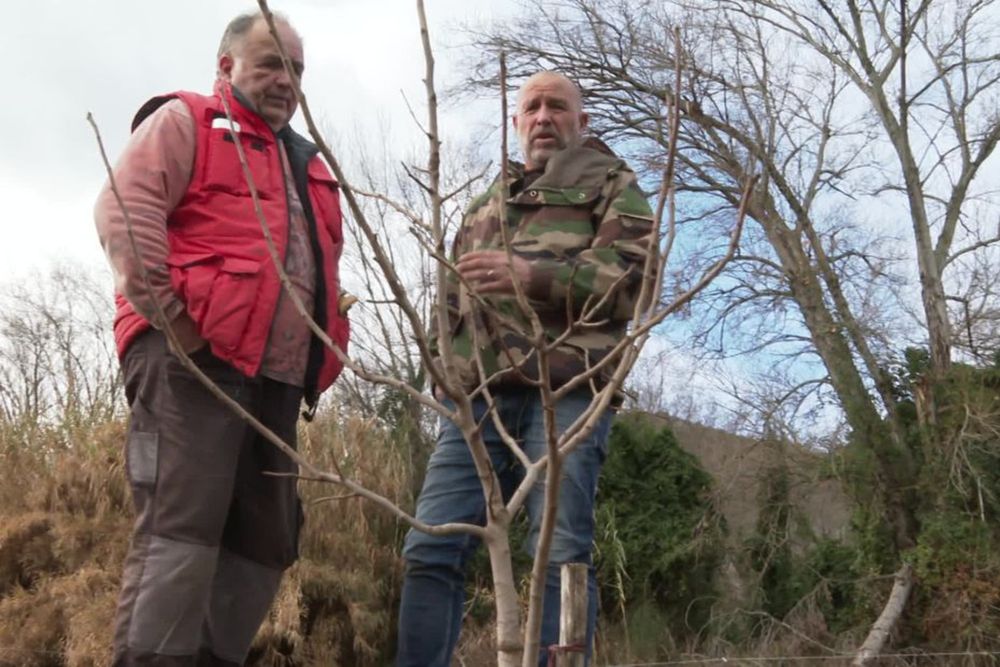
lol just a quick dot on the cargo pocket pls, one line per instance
(219, 294)
(231, 303)
(559, 221)
(192, 277)
(141, 457)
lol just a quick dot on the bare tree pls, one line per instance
(381, 336)
(396, 206)
(57, 368)
(870, 122)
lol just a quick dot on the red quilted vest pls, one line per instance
(218, 258)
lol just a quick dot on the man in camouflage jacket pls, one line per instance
(578, 229)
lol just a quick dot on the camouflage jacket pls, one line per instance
(582, 224)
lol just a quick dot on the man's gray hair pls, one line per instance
(239, 27)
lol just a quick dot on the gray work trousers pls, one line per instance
(213, 534)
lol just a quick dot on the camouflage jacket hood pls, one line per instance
(583, 224)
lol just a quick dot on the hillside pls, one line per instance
(738, 466)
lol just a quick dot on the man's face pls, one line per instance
(548, 118)
(253, 65)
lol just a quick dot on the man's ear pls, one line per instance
(225, 66)
(514, 120)
(584, 120)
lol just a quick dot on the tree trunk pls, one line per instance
(868, 427)
(539, 569)
(509, 644)
(887, 620)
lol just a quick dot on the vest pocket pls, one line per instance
(223, 171)
(220, 295)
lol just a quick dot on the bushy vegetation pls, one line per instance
(957, 556)
(660, 538)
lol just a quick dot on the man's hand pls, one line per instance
(490, 271)
(187, 334)
(344, 302)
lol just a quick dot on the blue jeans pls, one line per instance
(430, 614)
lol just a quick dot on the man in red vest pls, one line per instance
(213, 533)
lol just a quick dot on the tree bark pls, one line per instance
(887, 620)
(509, 645)
(867, 425)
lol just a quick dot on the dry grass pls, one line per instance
(337, 606)
(64, 524)
(63, 533)
(65, 516)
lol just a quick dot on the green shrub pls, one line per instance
(833, 565)
(659, 535)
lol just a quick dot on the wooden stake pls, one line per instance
(573, 616)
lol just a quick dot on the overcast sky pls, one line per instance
(109, 56)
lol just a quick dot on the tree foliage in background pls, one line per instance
(793, 564)
(58, 365)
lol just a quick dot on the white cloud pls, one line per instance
(109, 56)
